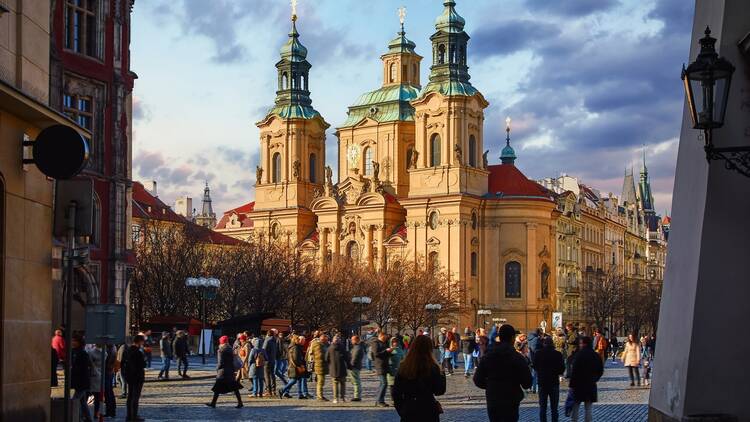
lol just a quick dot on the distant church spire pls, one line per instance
(508, 156)
(207, 217)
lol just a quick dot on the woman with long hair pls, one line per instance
(448, 353)
(418, 381)
(631, 358)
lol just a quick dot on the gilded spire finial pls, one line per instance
(402, 16)
(507, 130)
(294, 10)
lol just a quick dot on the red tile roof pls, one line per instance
(507, 181)
(242, 214)
(149, 207)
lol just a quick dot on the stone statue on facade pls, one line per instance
(296, 167)
(459, 153)
(258, 175)
(484, 159)
(414, 156)
(375, 169)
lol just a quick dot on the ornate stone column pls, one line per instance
(322, 246)
(381, 246)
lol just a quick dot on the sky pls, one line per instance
(587, 83)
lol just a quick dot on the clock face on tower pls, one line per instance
(352, 155)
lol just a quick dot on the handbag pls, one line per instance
(300, 371)
(237, 363)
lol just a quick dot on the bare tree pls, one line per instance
(604, 298)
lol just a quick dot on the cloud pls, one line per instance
(141, 111)
(571, 8)
(507, 37)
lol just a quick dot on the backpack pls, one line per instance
(453, 347)
(260, 359)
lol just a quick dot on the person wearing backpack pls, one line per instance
(258, 360)
(226, 382)
(243, 353)
(80, 375)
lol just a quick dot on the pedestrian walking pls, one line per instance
(338, 362)
(181, 350)
(110, 365)
(297, 371)
(226, 366)
(134, 371)
(282, 357)
(80, 376)
(534, 341)
(443, 344)
(397, 355)
(119, 374)
(58, 354)
(587, 368)
(382, 359)
(319, 351)
(631, 358)
(271, 346)
(455, 347)
(357, 356)
(549, 365)
(258, 361)
(468, 345)
(166, 354)
(147, 347)
(600, 344)
(503, 373)
(571, 347)
(97, 357)
(418, 380)
(646, 360)
(448, 347)
(243, 353)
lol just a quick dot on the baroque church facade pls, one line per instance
(414, 182)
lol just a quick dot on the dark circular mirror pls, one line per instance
(60, 152)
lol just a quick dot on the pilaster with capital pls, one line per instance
(531, 264)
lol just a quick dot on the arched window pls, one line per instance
(294, 80)
(276, 168)
(462, 55)
(474, 264)
(368, 161)
(513, 279)
(414, 73)
(394, 69)
(441, 54)
(435, 150)
(284, 81)
(544, 281)
(303, 85)
(433, 262)
(352, 251)
(474, 221)
(453, 53)
(404, 73)
(313, 175)
(472, 151)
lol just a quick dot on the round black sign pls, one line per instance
(60, 152)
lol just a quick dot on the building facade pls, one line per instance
(91, 82)
(414, 182)
(26, 214)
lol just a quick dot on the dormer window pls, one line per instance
(394, 70)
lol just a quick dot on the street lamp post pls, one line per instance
(433, 309)
(206, 287)
(484, 313)
(361, 301)
(707, 81)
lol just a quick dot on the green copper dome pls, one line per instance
(450, 20)
(401, 44)
(293, 50)
(508, 156)
(387, 104)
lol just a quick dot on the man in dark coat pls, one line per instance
(548, 364)
(382, 355)
(586, 369)
(134, 369)
(503, 373)
(357, 356)
(338, 363)
(165, 351)
(271, 346)
(80, 375)
(468, 344)
(181, 350)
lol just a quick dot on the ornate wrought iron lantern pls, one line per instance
(707, 81)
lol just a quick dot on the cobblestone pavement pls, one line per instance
(183, 400)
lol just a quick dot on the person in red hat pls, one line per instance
(226, 381)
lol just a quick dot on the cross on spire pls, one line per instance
(402, 16)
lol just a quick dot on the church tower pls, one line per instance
(292, 150)
(449, 114)
(377, 139)
(207, 217)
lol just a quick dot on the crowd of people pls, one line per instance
(411, 371)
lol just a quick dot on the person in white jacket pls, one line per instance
(631, 358)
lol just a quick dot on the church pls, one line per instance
(414, 181)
